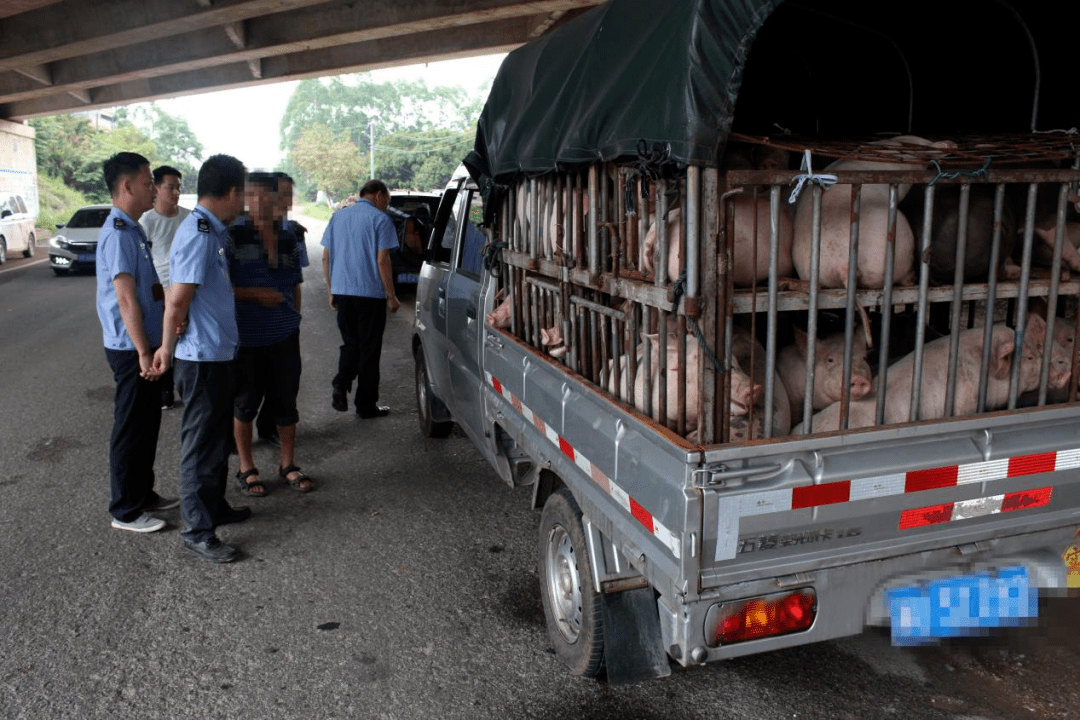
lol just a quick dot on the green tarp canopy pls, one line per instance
(588, 91)
(635, 79)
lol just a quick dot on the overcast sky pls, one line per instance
(245, 122)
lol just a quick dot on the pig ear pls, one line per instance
(1036, 328)
(1002, 361)
(800, 340)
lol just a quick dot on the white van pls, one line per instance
(16, 226)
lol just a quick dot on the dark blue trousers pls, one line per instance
(361, 321)
(133, 444)
(205, 429)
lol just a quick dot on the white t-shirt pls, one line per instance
(160, 230)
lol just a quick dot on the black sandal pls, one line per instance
(250, 488)
(295, 483)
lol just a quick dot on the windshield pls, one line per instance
(89, 218)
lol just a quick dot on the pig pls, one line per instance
(744, 391)
(551, 338)
(828, 370)
(1043, 252)
(746, 269)
(500, 316)
(944, 228)
(751, 425)
(934, 381)
(873, 224)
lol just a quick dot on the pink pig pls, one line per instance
(873, 224)
(936, 357)
(828, 370)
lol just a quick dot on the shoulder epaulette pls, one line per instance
(118, 224)
(204, 225)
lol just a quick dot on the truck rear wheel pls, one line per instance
(571, 603)
(425, 401)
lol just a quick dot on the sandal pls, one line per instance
(296, 483)
(255, 489)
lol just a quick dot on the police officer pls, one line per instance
(202, 293)
(130, 306)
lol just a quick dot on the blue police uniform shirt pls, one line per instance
(354, 236)
(123, 248)
(198, 257)
(249, 266)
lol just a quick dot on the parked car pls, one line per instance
(413, 215)
(16, 225)
(75, 246)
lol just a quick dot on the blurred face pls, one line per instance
(168, 195)
(260, 201)
(142, 190)
(284, 199)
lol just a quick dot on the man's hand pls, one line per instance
(333, 302)
(269, 297)
(392, 303)
(162, 360)
(147, 371)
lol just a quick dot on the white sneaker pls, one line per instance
(143, 524)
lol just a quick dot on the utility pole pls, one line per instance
(371, 147)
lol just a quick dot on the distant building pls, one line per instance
(18, 162)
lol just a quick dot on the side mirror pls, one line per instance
(59, 225)
(5, 214)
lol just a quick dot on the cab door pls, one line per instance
(465, 317)
(431, 290)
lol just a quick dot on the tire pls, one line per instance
(29, 251)
(425, 401)
(3, 251)
(571, 603)
(61, 273)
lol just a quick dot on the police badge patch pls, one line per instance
(204, 225)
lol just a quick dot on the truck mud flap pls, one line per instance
(633, 646)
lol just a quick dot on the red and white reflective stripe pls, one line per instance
(624, 499)
(732, 509)
(979, 507)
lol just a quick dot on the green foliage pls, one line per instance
(317, 211)
(420, 133)
(326, 159)
(58, 201)
(71, 149)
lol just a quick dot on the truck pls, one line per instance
(677, 227)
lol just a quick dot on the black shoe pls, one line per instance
(158, 502)
(373, 411)
(233, 515)
(274, 439)
(212, 549)
(339, 401)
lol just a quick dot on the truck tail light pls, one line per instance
(760, 617)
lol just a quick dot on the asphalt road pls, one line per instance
(404, 587)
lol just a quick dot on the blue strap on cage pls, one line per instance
(974, 174)
(825, 180)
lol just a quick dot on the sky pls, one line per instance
(251, 131)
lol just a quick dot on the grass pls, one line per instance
(56, 202)
(319, 211)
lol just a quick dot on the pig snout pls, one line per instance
(860, 387)
(500, 316)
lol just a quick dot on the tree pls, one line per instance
(174, 141)
(399, 114)
(328, 160)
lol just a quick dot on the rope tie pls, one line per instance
(678, 289)
(980, 172)
(491, 256)
(825, 180)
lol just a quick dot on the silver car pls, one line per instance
(17, 222)
(74, 247)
